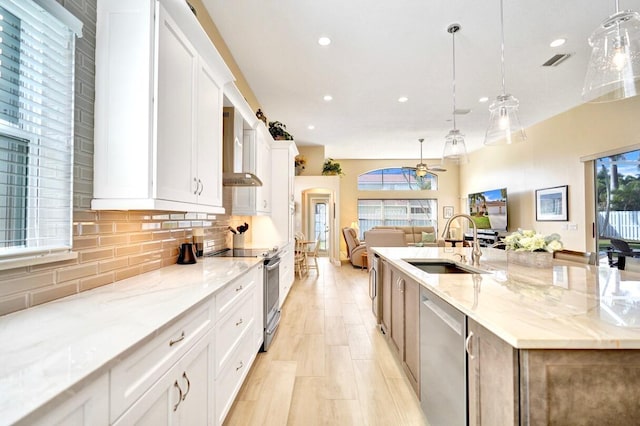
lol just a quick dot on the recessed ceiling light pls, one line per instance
(311, 127)
(558, 42)
(403, 99)
(483, 99)
(327, 98)
(324, 41)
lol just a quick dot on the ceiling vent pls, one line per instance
(556, 60)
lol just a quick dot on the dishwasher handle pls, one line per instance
(467, 345)
(373, 283)
(454, 324)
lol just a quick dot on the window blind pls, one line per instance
(36, 129)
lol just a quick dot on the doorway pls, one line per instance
(318, 222)
(617, 183)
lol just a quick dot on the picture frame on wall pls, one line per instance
(552, 204)
(447, 212)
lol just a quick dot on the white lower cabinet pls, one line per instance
(188, 373)
(230, 379)
(88, 407)
(181, 396)
(135, 374)
(237, 341)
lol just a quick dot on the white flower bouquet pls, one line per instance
(529, 240)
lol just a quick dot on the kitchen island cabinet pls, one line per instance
(493, 381)
(545, 345)
(385, 294)
(508, 386)
(402, 296)
(158, 109)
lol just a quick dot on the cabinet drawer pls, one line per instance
(229, 381)
(226, 297)
(181, 395)
(233, 327)
(139, 370)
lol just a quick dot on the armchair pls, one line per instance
(355, 248)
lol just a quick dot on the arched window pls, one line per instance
(396, 179)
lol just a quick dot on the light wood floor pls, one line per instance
(329, 364)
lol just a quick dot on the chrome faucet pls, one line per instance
(476, 252)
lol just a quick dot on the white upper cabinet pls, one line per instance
(158, 111)
(283, 154)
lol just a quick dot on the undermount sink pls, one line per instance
(442, 267)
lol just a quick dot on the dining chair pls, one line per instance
(313, 254)
(586, 258)
(300, 258)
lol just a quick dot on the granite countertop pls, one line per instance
(567, 306)
(51, 348)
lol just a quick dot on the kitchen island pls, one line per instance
(546, 345)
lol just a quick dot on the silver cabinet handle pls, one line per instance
(467, 345)
(400, 284)
(197, 186)
(240, 366)
(184, 376)
(175, 407)
(239, 322)
(179, 339)
(239, 288)
(201, 185)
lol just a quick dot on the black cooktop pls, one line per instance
(265, 253)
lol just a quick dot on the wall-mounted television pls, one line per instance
(489, 209)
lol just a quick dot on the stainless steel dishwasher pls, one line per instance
(443, 361)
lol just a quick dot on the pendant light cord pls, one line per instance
(504, 90)
(453, 37)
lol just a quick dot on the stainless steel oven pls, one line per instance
(271, 299)
(271, 281)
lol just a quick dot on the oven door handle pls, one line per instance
(273, 266)
(271, 327)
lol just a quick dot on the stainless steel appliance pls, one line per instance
(443, 361)
(271, 300)
(271, 280)
(375, 275)
(233, 147)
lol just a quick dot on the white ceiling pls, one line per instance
(382, 50)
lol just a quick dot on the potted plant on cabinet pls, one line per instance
(299, 163)
(279, 131)
(331, 167)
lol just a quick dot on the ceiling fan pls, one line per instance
(420, 172)
(421, 169)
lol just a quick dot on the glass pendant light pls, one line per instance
(614, 68)
(504, 124)
(455, 150)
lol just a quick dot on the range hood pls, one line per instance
(232, 151)
(240, 179)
